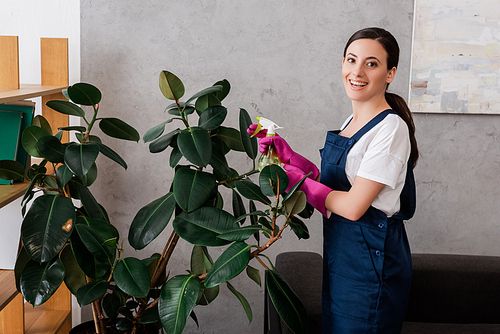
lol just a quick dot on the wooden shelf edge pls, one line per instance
(8, 289)
(27, 91)
(9, 193)
(38, 320)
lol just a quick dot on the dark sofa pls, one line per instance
(457, 294)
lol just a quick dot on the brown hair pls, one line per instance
(387, 40)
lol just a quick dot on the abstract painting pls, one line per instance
(456, 57)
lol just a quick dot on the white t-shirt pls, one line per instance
(381, 155)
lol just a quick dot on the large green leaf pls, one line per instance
(117, 128)
(296, 203)
(108, 152)
(201, 227)
(111, 304)
(150, 316)
(175, 109)
(231, 138)
(92, 266)
(226, 87)
(171, 86)
(151, 220)
(155, 131)
(240, 234)
(295, 188)
(251, 191)
(218, 161)
(198, 261)
(207, 296)
(177, 299)
(299, 228)
(22, 260)
(80, 157)
(214, 89)
(160, 144)
(51, 149)
(243, 301)
(90, 177)
(94, 242)
(39, 281)
(253, 218)
(80, 129)
(269, 178)
(11, 170)
(63, 175)
(90, 204)
(30, 137)
(66, 108)
(42, 122)
(254, 275)
(212, 117)
(206, 101)
(238, 206)
(250, 144)
(132, 277)
(75, 277)
(90, 292)
(175, 157)
(102, 227)
(192, 188)
(286, 302)
(47, 226)
(84, 94)
(231, 262)
(195, 145)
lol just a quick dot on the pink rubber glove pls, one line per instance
(316, 192)
(284, 151)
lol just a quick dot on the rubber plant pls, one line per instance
(77, 244)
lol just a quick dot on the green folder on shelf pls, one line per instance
(10, 136)
(28, 110)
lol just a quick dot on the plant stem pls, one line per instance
(271, 241)
(91, 124)
(239, 177)
(162, 264)
(258, 259)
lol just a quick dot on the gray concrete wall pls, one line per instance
(283, 60)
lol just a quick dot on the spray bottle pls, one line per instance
(270, 156)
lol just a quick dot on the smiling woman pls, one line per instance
(366, 191)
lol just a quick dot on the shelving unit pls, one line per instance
(16, 317)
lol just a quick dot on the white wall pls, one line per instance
(31, 20)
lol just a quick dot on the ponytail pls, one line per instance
(399, 105)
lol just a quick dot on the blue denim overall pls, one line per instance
(366, 263)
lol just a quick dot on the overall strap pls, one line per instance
(373, 122)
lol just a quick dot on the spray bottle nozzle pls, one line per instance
(267, 124)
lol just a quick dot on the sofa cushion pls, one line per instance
(462, 289)
(422, 327)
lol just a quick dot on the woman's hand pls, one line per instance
(284, 152)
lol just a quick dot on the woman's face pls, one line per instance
(364, 70)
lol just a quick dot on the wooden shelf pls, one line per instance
(28, 91)
(43, 319)
(9, 193)
(16, 317)
(38, 320)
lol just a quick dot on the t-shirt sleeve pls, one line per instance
(387, 154)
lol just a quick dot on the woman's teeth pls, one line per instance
(358, 83)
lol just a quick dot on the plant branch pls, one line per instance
(91, 124)
(262, 263)
(160, 268)
(239, 177)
